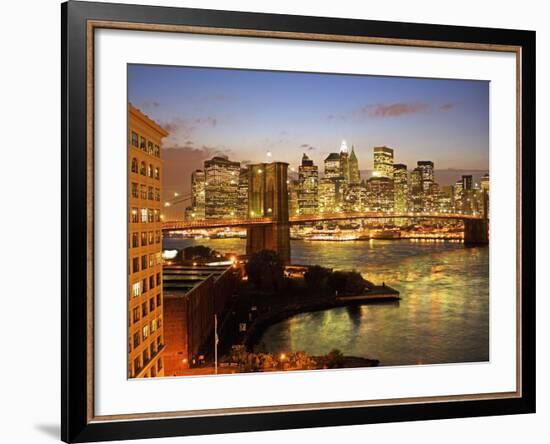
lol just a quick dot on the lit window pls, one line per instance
(145, 331)
(136, 289)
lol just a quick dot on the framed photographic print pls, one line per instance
(276, 221)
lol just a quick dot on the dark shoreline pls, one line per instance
(258, 327)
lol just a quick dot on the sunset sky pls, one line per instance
(245, 114)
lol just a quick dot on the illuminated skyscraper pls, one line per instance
(197, 195)
(467, 182)
(354, 175)
(401, 187)
(344, 162)
(308, 176)
(426, 168)
(242, 199)
(332, 166)
(380, 194)
(416, 193)
(484, 182)
(327, 195)
(293, 187)
(383, 162)
(145, 306)
(221, 187)
(354, 197)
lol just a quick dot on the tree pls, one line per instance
(198, 252)
(348, 282)
(335, 359)
(265, 270)
(337, 281)
(355, 284)
(316, 276)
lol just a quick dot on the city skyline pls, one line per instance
(248, 114)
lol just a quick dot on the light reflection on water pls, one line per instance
(443, 315)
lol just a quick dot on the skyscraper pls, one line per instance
(354, 174)
(426, 168)
(401, 187)
(332, 166)
(380, 194)
(383, 162)
(308, 176)
(198, 194)
(344, 162)
(467, 182)
(242, 198)
(221, 187)
(416, 193)
(327, 195)
(145, 306)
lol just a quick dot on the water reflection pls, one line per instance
(443, 315)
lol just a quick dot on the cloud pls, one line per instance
(447, 106)
(307, 146)
(181, 129)
(393, 109)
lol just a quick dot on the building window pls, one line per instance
(157, 174)
(144, 285)
(136, 289)
(152, 304)
(144, 239)
(135, 240)
(152, 284)
(135, 190)
(150, 193)
(157, 194)
(157, 237)
(157, 215)
(158, 279)
(134, 165)
(137, 366)
(144, 213)
(145, 357)
(153, 325)
(144, 262)
(134, 215)
(135, 264)
(153, 372)
(137, 339)
(151, 239)
(159, 300)
(134, 139)
(144, 309)
(150, 148)
(144, 192)
(145, 332)
(142, 143)
(159, 341)
(135, 314)
(150, 171)
(159, 322)
(157, 151)
(159, 364)
(152, 260)
(143, 169)
(151, 215)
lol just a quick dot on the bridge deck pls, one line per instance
(295, 220)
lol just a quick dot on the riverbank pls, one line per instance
(277, 313)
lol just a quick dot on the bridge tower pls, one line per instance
(476, 231)
(268, 197)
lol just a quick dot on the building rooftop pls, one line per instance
(182, 278)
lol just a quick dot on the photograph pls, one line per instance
(304, 221)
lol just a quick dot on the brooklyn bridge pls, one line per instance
(270, 228)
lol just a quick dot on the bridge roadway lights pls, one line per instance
(476, 231)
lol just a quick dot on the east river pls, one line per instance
(443, 315)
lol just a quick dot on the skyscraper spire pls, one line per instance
(344, 147)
